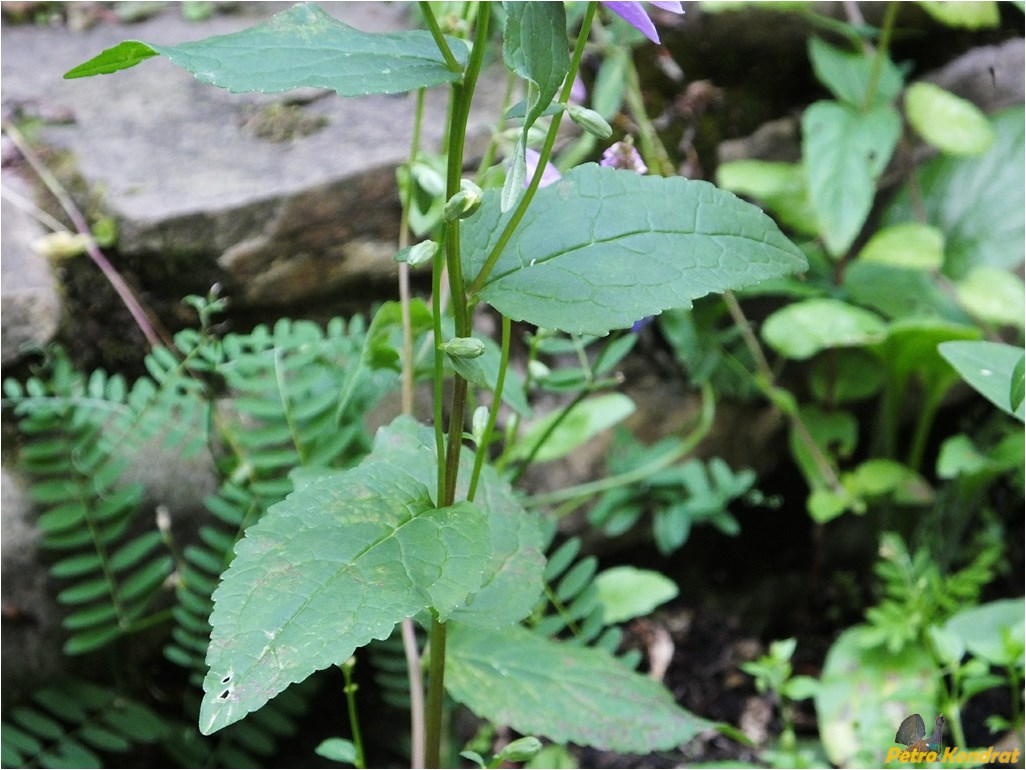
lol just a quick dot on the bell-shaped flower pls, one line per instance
(636, 15)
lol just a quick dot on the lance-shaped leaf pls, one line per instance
(512, 580)
(564, 692)
(602, 248)
(336, 564)
(302, 46)
(845, 152)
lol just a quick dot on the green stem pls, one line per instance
(436, 33)
(701, 430)
(881, 54)
(544, 155)
(459, 113)
(354, 719)
(436, 694)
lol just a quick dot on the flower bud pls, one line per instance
(521, 750)
(478, 424)
(417, 255)
(590, 121)
(462, 204)
(463, 347)
(537, 369)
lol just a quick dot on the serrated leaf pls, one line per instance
(267, 59)
(512, 578)
(848, 75)
(336, 564)
(988, 367)
(950, 124)
(978, 203)
(802, 329)
(845, 151)
(603, 248)
(566, 693)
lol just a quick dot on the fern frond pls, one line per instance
(74, 723)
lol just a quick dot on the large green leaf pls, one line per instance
(992, 631)
(581, 424)
(512, 580)
(603, 248)
(950, 124)
(989, 367)
(845, 151)
(302, 46)
(336, 564)
(978, 203)
(564, 692)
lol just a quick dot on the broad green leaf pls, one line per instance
(978, 203)
(627, 592)
(983, 628)
(336, 564)
(566, 693)
(993, 295)
(512, 578)
(845, 151)
(604, 248)
(337, 750)
(879, 476)
(585, 421)
(864, 695)
(268, 59)
(950, 124)
(835, 433)
(848, 75)
(802, 329)
(970, 14)
(988, 367)
(780, 186)
(911, 349)
(908, 244)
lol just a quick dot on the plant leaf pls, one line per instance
(974, 14)
(512, 578)
(802, 329)
(534, 46)
(627, 592)
(988, 367)
(336, 564)
(585, 421)
(566, 693)
(602, 248)
(981, 629)
(950, 124)
(848, 75)
(266, 57)
(978, 203)
(845, 151)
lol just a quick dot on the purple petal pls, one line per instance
(671, 6)
(550, 175)
(635, 15)
(578, 93)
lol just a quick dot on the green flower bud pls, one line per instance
(478, 424)
(590, 121)
(463, 347)
(521, 750)
(538, 370)
(417, 255)
(462, 204)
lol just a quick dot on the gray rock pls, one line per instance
(990, 76)
(190, 173)
(32, 635)
(30, 307)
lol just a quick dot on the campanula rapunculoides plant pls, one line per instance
(424, 527)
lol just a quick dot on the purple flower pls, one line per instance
(550, 175)
(636, 15)
(623, 155)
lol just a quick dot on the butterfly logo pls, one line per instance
(912, 733)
